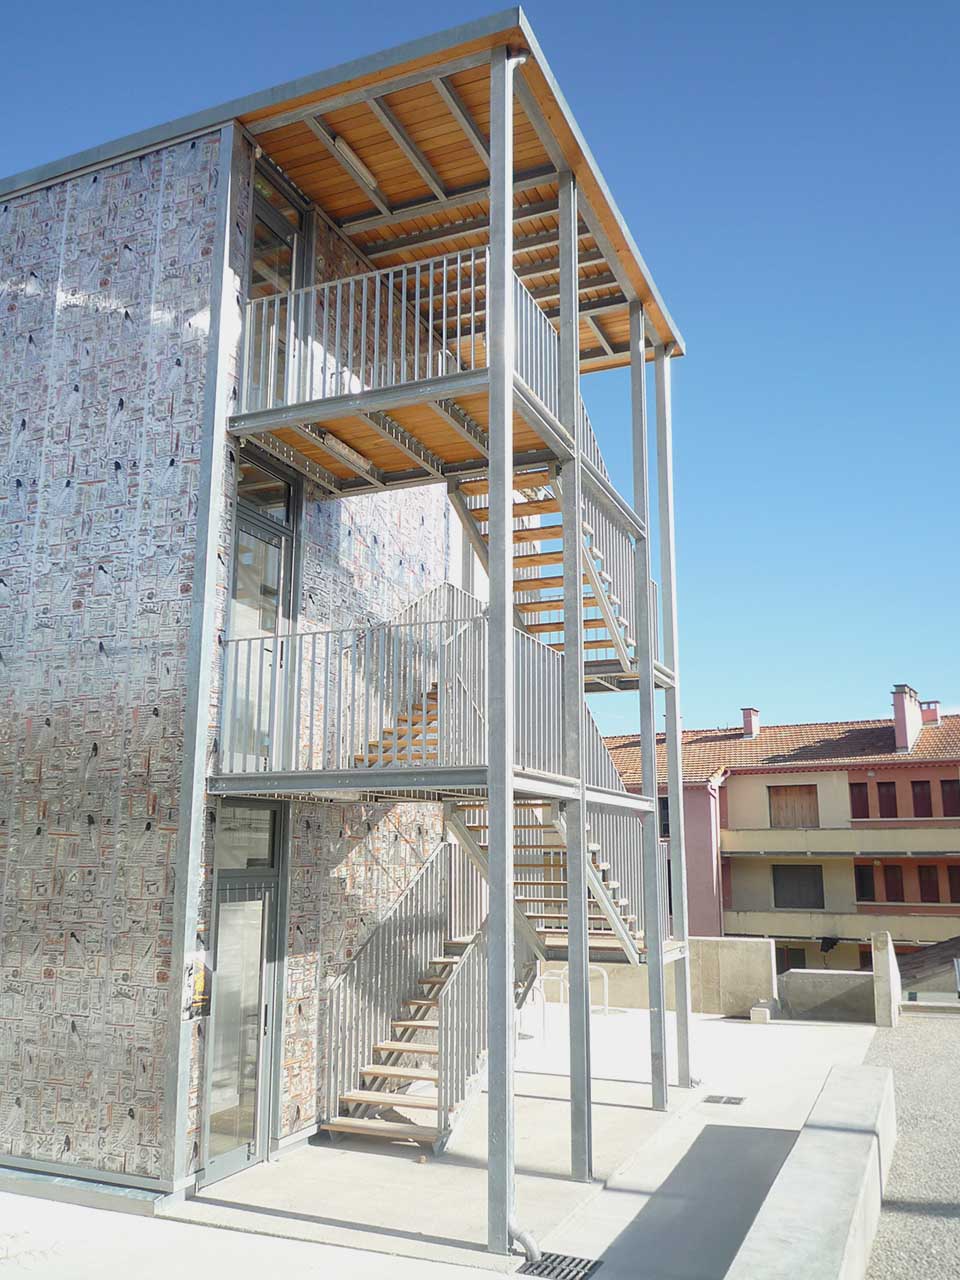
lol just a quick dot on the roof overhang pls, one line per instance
(415, 117)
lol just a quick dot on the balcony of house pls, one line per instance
(906, 923)
(912, 835)
(398, 709)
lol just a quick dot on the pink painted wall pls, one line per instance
(701, 815)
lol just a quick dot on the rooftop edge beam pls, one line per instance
(353, 97)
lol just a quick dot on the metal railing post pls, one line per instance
(500, 339)
(578, 954)
(678, 879)
(652, 922)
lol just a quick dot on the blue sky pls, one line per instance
(790, 174)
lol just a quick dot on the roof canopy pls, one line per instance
(394, 149)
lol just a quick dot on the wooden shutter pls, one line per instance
(794, 806)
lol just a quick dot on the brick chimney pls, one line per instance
(751, 721)
(907, 716)
(930, 711)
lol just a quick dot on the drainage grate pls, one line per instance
(560, 1266)
(724, 1100)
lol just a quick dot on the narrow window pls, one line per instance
(866, 887)
(859, 802)
(922, 801)
(950, 793)
(929, 878)
(893, 884)
(953, 879)
(793, 807)
(887, 799)
(663, 803)
(798, 887)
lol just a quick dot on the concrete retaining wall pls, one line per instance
(727, 976)
(820, 1216)
(827, 995)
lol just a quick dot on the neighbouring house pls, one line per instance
(818, 835)
(308, 555)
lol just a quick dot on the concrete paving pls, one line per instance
(919, 1232)
(679, 1194)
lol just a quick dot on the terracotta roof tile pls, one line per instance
(789, 746)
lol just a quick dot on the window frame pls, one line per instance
(923, 870)
(889, 869)
(953, 882)
(862, 791)
(917, 786)
(859, 869)
(951, 787)
(780, 790)
(796, 867)
(887, 791)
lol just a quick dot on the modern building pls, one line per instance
(308, 555)
(818, 835)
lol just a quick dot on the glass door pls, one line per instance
(237, 1083)
(259, 612)
(276, 270)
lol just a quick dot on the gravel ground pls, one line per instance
(919, 1232)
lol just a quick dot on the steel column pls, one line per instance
(501, 1008)
(668, 594)
(652, 924)
(578, 955)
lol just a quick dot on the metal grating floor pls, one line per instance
(560, 1266)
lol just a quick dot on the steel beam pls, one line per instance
(298, 462)
(407, 145)
(342, 453)
(451, 230)
(326, 135)
(668, 590)
(461, 422)
(464, 119)
(398, 436)
(549, 266)
(571, 501)
(600, 336)
(501, 1009)
(456, 198)
(652, 924)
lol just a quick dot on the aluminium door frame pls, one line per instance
(273, 882)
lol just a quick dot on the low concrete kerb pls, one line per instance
(820, 1216)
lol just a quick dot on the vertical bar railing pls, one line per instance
(537, 358)
(368, 995)
(383, 328)
(538, 705)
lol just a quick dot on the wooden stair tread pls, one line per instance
(422, 1002)
(425, 1024)
(405, 1046)
(530, 507)
(390, 1129)
(387, 1098)
(426, 1074)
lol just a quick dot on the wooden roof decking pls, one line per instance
(419, 128)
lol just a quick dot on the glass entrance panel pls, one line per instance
(258, 608)
(239, 1020)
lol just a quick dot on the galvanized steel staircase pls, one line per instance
(538, 535)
